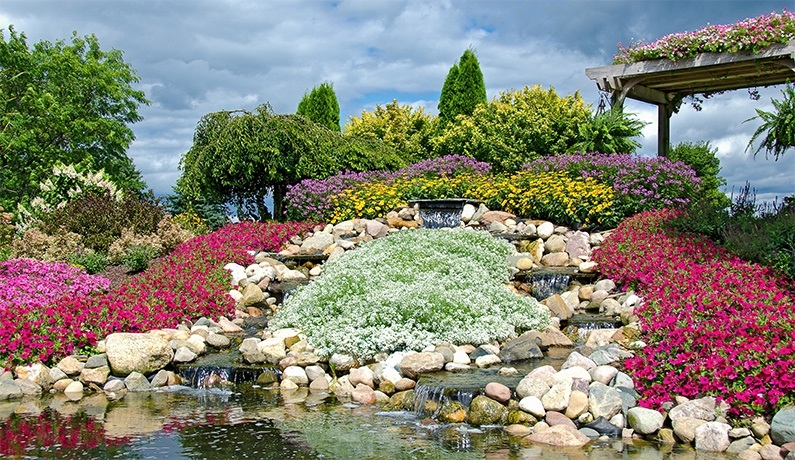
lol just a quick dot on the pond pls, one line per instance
(251, 422)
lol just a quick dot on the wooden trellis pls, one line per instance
(665, 83)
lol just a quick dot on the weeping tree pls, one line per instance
(321, 106)
(241, 157)
(778, 127)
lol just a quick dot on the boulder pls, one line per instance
(97, 375)
(297, 374)
(685, 428)
(363, 375)
(498, 392)
(545, 230)
(9, 389)
(418, 363)
(713, 436)
(644, 421)
(603, 401)
(702, 409)
(533, 406)
(557, 398)
(36, 373)
(70, 366)
(137, 382)
(143, 353)
(485, 411)
(363, 394)
(782, 427)
(578, 246)
(559, 436)
(342, 362)
(519, 349)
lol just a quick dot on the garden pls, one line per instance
(84, 255)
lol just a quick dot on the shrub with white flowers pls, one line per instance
(412, 289)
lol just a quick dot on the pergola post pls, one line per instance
(664, 113)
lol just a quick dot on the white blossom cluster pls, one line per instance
(409, 290)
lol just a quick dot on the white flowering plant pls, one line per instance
(409, 290)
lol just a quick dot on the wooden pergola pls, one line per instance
(665, 83)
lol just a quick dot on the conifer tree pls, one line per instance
(463, 89)
(321, 106)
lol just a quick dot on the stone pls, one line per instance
(405, 384)
(497, 227)
(36, 373)
(315, 372)
(403, 400)
(557, 398)
(545, 230)
(97, 375)
(461, 357)
(342, 362)
(487, 360)
(160, 379)
(375, 229)
(252, 296)
(498, 392)
(782, 427)
(603, 374)
(770, 452)
(184, 355)
(317, 243)
(488, 217)
(254, 357)
(114, 385)
(578, 246)
(447, 351)
(28, 388)
(577, 373)
(599, 337)
(605, 428)
(519, 349)
(363, 375)
(712, 436)
(218, 340)
(760, 428)
(578, 404)
(288, 385)
(577, 359)
(644, 421)
(525, 263)
(555, 243)
(533, 406)
(297, 374)
(61, 384)
(267, 377)
(516, 416)
(518, 430)
(685, 428)
(467, 213)
(555, 259)
(741, 444)
(452, 412)
(559, 436)
(273, 349)
(418, 363)
(228, 326)
(320, 384)
(702, 409)
(558, 306)
(604, 401)
(74, 387)
(70, 366)
(363, 394)
(131, 352)
(137, 382)
(485, 411)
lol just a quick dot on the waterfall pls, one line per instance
(217, 376)
(544, 284)
(431, 398)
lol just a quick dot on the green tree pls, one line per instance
(406, 130)
(704, 160)
(463, 89)
(778, 126)
(64, 104)
(516, 127)
(321, 106)
(610, 132)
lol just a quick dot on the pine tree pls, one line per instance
(321, 106)
(463, 89)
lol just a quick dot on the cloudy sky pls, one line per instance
(196, 57)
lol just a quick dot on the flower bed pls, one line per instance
(189, 283)
(752, 34)
(714, 324)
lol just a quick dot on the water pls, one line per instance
(547, 283)
(442, 213)
(250, 422)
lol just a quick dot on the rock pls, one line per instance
(578, 404)
(320, 384)
(184, 355)
(447, 351)
(760, 428)
(644, 421)
(297, 374)
(623, 380)
(577, 359)
(137, 382)
(160, 379)
(712, 436)
(516, 416)
(317, 243)
(497, 227)
(488, 217)
(254, 357)
(363, 375)
(36, 373)
(555, 259)
(782, 427)
(218, 340)
(9, 389)
(342, 362)
(74, 388)
(405, 384)
(740, 445)
(452, 412)
(485, 411)
(554, 418)
(248, 345)
(267, 377)
(498, 392)
(228, 326)
(559, 436)
(288, 385)
(558, 307)
(29, 388)
(70, 366)
(604, 401)
(518, 430)
(557, 398)
(143, 353)
(252, 296)
(577, 373)
(533, 406)
(578, 246)
(685, 428)
(375, 229)
(61, 384)
(555, 243)
(545, 230)
(97, 375)
(770, 452)
(273, 349)
(702, 409)
(519, 349)
(599, 337)
(114, 385)
(363, 394)
(418, 363)
(603, 374)
(525, 263)
(605, 428)
(487, 360)
(532, 386)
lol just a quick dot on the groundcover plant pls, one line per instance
(713, 323)
(412, 289)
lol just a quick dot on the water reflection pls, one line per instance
(251, 422)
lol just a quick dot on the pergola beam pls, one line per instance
(663, 82)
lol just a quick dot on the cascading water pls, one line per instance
(215, 376)
(544, 284)
(442, 213)
(431, 398)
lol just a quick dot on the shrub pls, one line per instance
(713, 324)
(703, 159)
(92, 262)
(422, 287)
(57, 247)
(137, 257)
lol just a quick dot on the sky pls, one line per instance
(201, 56)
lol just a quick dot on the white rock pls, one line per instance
(533, 406)
(545, 230)
(295, 373)
(487, 360)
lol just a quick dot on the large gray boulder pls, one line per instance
(143, 353)
(519, 349)
(782, 427)
(603, 400)
(713, 436)
(644, 421)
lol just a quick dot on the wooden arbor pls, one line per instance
(665, 83)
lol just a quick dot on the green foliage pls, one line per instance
(199, 214)
(64, 103)
(610, 132)
(778, 126)
(321, 106)
(703, 159)
(407, 131)
(137, 258)
(422, 287)
(516, 127)
(367, 154)
(93, 262)
(463, 89)
(99, 218)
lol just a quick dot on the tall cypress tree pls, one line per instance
(463, 89)
(321, 106)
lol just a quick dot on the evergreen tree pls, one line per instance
(321, 106)
(463, 89)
